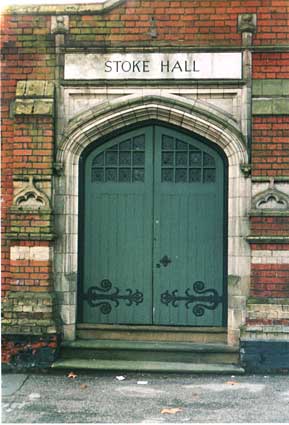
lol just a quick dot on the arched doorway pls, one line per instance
(152, 247)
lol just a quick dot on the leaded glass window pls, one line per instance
(123, 163)
(185, 163)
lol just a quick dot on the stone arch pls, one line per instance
(192, 115)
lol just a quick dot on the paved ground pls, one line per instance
(141, 398)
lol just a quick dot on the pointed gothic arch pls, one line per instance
(193, 116)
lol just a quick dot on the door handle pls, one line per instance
(165, 261)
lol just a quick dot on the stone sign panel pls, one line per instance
(92, 66)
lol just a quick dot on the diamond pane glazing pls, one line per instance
(167, 175)
(181, 175)
(125, 175)
(184, 163)
(139, 143)
(98, 160)
(167, 143)
(209, 175)
(123, 162)
(208, 160)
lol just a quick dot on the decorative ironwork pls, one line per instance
(165, 261)
(99, 296)
(208, 296)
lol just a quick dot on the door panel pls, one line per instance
(154, 231)
(117, 258)
(189, 230)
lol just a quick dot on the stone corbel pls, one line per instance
(246, 169)
(59, 24)
(247, 22)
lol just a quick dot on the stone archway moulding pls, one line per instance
(195, 116)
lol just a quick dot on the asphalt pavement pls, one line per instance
(143, 398)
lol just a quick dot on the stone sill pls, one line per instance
(274, 329)
(155, 82)
(267, 179)
(267, 239)
(39, 211)
(262, 300)
(268, 213)
(57, 9)
(31, 237)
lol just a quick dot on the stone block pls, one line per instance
(49, 89)
(43, 107)
(27, 309)
(281, 106)
(23, 107)
(262, 107)
(20, 88)
(35, 88)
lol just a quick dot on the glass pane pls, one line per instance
(167, 158)
(167, 175)
(124, 158)
(138, 158)
(125, 175)
(181, 146)
(193, 148)
(97, 175)
(113, 148)
(181, 175)
(111, 174)
(195, 158)
(208, 160)
(209, 175)
(181, 159)
(138, 143)
(125, 146)
(111, 158)
(167, 143)
(98, 160)
(195, 175)
(138, 175)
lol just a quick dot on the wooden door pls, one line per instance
(117, 246)
(153, 231)
(189, 231)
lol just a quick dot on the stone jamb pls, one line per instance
(194, 116)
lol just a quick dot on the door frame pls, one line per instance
(102, 141)
(98, 123)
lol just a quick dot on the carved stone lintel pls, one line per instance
(247, 22)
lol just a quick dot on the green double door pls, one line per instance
(153, 231)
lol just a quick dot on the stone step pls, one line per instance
(148, 366)
(150, 351)
(152, 333)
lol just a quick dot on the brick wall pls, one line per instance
(270, 148)
(195, 23)
(28, 54)
(270, 280)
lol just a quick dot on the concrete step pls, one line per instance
(150, 351)
(148, 366)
